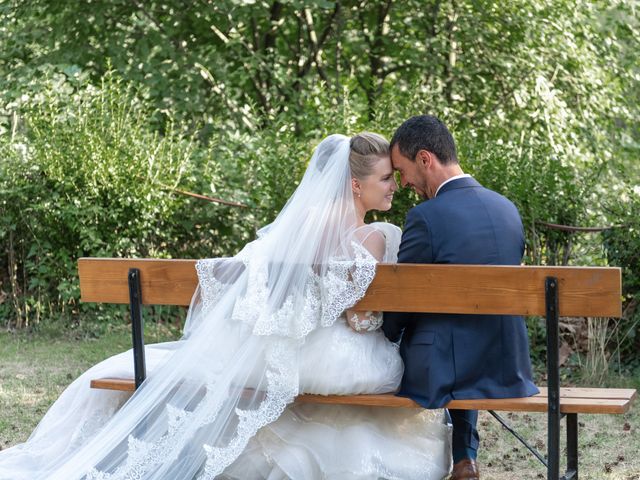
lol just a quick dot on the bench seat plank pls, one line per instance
(594, 392)
(537, 403)
(540, 404)
(572, 400)
(122, 384)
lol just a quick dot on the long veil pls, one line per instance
(237, 367)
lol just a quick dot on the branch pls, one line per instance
(573, 229)
(208, 76)
(434, 14)
(257, 87)
(433, 32)
(450, 61)
(383, 13)
(316, 42)
(266, 68)
(315, 46)
(329, 26)
(374, 57)
(274, 18)
(385, 72)
(204, 197)
(364, 86)
(255, 36)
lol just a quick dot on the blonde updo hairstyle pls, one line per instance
(366, 149)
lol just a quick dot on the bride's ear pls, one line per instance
(355, 186)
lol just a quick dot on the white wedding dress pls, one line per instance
(315, 441)
(269, 320)
(308, 441)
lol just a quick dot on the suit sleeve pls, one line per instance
(415, 247)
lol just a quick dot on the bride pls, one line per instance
(265, 325)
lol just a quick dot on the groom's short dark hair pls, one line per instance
(425, 132)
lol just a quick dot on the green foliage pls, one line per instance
(542, 187)
(228, 99)
(82, 174)
(622, 245)
(623, 242)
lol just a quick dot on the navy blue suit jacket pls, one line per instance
(462, 356)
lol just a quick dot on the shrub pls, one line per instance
(622, 245)
(81, 174)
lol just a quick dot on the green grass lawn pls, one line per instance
(34, 369)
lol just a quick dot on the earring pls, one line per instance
(358, 195)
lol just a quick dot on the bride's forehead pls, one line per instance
(382, 166)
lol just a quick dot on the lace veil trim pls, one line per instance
(324, 299)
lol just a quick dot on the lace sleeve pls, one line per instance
(374, 240)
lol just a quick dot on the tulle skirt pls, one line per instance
(338, 442)
(348, 442)
(307, 442)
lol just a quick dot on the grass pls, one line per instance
(608, 446)
(36, 368)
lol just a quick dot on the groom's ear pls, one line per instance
(424, 158)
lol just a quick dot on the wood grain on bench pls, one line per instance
(473, 289)
(572, 400)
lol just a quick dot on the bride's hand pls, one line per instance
(361, 321)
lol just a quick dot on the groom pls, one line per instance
(449, 356)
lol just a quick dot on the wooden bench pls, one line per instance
(515, 290)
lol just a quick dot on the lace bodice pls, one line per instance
(383, 240)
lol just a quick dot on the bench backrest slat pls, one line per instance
(477, 289)
(164, 282)
(506, 290)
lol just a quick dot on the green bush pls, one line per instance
(82, 174)
(93, 170)
(622, 244)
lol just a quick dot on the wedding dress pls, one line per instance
(315, 441)
(264, 326)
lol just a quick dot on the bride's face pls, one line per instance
(377, 189)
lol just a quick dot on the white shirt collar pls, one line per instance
(464, 175)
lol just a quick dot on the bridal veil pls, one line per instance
(236, 368)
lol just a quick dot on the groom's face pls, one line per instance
(411, 175)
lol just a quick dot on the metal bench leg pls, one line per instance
(553, 379)
(572, 447)
(137, 331)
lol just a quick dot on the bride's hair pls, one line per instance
(366, 149)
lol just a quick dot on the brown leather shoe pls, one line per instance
(466, 469)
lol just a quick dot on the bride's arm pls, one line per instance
(366, 321)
